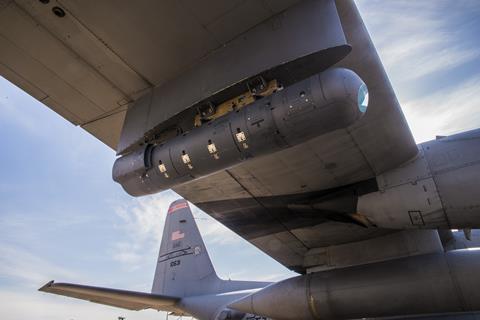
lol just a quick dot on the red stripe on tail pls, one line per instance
(179, 206)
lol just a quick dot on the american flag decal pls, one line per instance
(178, 206)
(176, 235)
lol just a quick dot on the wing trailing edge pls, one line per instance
(131, 300)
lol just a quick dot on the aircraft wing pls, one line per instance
(89, 61)
(92, 60)
(284, 203)
(113, 297)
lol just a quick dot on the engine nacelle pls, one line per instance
(328, 101)
(440, 188)
(426, 284)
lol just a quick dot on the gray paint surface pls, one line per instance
(113, 61)
(380, 141)
(424, 284)
(306, 28)
(313, 107)
(143, 51)
(437, 189)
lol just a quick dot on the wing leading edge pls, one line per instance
(131, 300)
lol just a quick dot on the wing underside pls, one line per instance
(256, 199)
(90, 65)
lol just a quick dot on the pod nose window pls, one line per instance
(363, 98)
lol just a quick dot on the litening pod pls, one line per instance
(331, 100)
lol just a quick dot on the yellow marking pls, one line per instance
(237, 102)
(360, 218)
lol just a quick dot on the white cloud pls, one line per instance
(29, 270)
(38, 305)
(22, 272)
(417, 42)
(448, 111)
(213, 232)
(142, 222)
(414, 39)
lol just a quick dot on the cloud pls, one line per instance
(142, 221)
(22, 272)
(27, 269)
(415, 40)
(448, 111)
(426, 47)
(213, 232)
(37, 305)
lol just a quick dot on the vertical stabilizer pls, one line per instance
(183, 266)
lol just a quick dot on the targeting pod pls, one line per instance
(331, 100)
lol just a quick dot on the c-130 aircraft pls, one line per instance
(277, 119)
(185, 283)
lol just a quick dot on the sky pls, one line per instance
(62, 217)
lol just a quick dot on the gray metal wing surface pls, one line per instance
(91, 62)
(258, 199)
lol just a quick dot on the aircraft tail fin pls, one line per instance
(183, 269)
(183, 266)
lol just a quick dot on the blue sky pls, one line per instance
(63, 218)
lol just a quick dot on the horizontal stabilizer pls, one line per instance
(113, 297)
